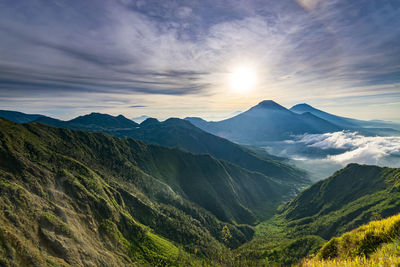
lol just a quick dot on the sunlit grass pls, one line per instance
(374, 244)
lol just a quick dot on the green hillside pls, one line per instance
(182, 134)
(77, 198)
(374, 244)
(351, 197)
(94, 122)
(177, 133)
(348, 199)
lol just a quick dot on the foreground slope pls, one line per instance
(78, 198)
(351, 197)
(267, 121)
(374, 244)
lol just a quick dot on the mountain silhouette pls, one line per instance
(267, 121)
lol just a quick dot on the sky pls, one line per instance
(179, 58)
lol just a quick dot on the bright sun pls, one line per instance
(243, 79)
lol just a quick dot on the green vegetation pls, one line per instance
(88, 199)
(351, 197)
(78, 198)
(184, 135)
(374, 244)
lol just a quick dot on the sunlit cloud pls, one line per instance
(357, 148)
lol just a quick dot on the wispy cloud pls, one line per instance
(137, 106)
(187, 48)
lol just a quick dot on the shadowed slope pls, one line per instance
(86, 198)
(182, 134)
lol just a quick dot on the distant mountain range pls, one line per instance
(341, 121)
(182, 134)
(373, 127)
(269, 121)
(91, 122)
(140, 119)
(19, 117)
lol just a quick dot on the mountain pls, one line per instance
(351, 197)
(93, 122)
(104, 121)
(342, 121)
(19, 117)
(182, 134)
(140, 119)
(267, 121)
(364, 127)
(78, 198)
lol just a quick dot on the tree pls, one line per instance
(226, 234)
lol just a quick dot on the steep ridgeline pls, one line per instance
(77, 198)
(364, 127)
(342, 121)
(267, 121)
(19, 117)
(95, 122)
(351, 197)
(184, 135)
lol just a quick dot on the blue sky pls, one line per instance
(175, 58)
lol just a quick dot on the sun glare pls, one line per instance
(243, 80)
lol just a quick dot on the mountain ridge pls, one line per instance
(19, 117)
(144, 197)
(175, 132)
(93, 121)
(304, 107)
(97, 198)
(351, 197)
(267, 121)
(364, 127)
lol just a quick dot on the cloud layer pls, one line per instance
(358, 148)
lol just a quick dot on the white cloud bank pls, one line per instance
(361, 149)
